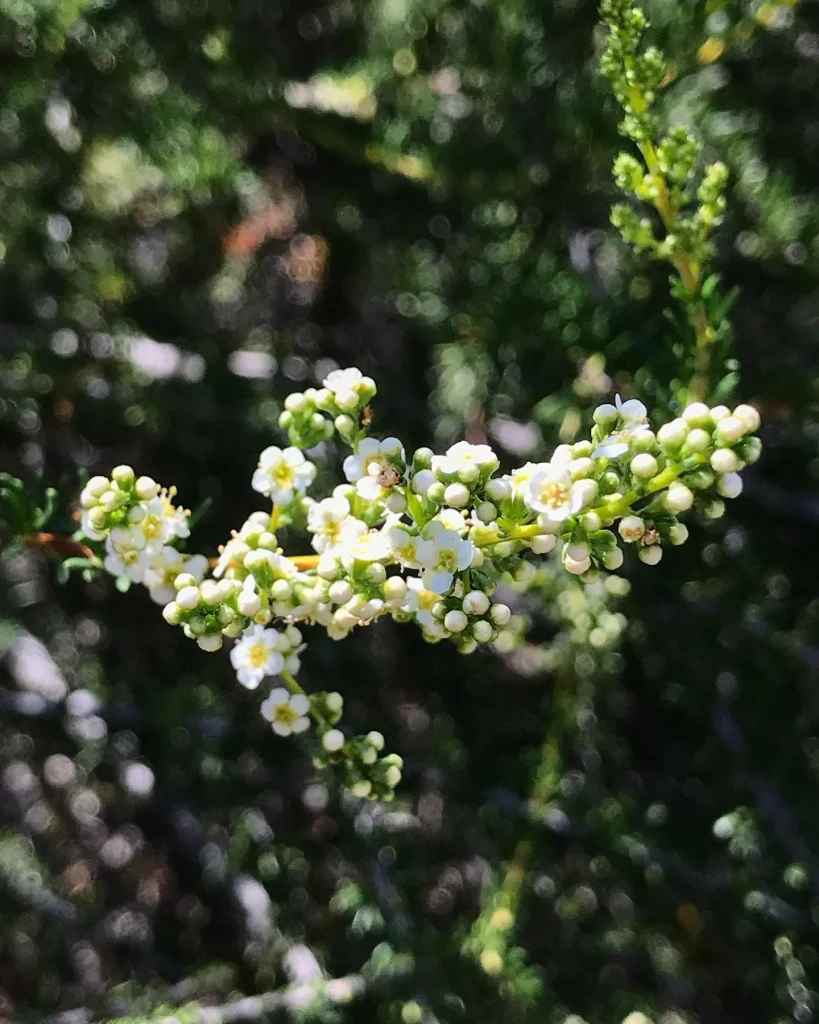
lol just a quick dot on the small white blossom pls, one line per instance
(420, 602)
(551, 492)
(345, 386)
(331, 524)
(464, 461)
(370, 468)
(404, 546)
(369, 547)
(283, 473)
(442, 553)
(288, 712)
(165, 565)
(633, 416)
(256, 656)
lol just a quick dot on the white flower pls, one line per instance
(158, 521)
(282, 473)
(551, 492)
(464, 460)
(370, 469)
(452, 520)
(520, 477)
(633, 416)
(127, 555)
(442, 553)
(256, 656)
(342, 380)
(404, 546)
(331, 525)
(420, 602)
(287, 711)
(165, 565)
(345, 386)
(369, 547)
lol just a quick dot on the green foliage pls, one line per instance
(201, 206)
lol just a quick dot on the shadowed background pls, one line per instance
(207, 205)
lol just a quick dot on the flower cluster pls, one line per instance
(140, 526)
(424, 538)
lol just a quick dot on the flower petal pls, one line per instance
(300, 703)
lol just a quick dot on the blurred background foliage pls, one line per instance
(205, 205)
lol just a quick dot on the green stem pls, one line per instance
(689, 270)
(615, 509)
(291, 682)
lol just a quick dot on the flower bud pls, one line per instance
(580, 468)
(578, 551)
(392, 776)
(344, 424)
(455, 621)
(457, 495)
(146, 488)
(750, 449)
(210, 641)
(672, 435)
(210, 592)
(591, 522)
(716, 510)
(499, 489)
(478, 558)
(576, 567)
(543, 544)
(730, 485)
(644, 466)
(631, 529)
(376, 573)
(97, 486)
(340, 592)
(500, 614)
(697, 414)
(605, 415)
(613, 559)
(188, 598)
(347, 400)
(422, 481)
(184, 579)
(679, 498)
(296, 402)
(731, 429)
(396, 503)
(724, 460)
(334, 702)
(171, 613)
(678, 534)
(482, 631)
(476, 603)
(719, 412)
(333, 740)
(112, 500)
(486, 512)
(97, 517)
(281, 590)
(524, 572)
(123, 475)
(395, 590)
(248, 602)
(699, 440)
(650, 555)
(748, 417)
